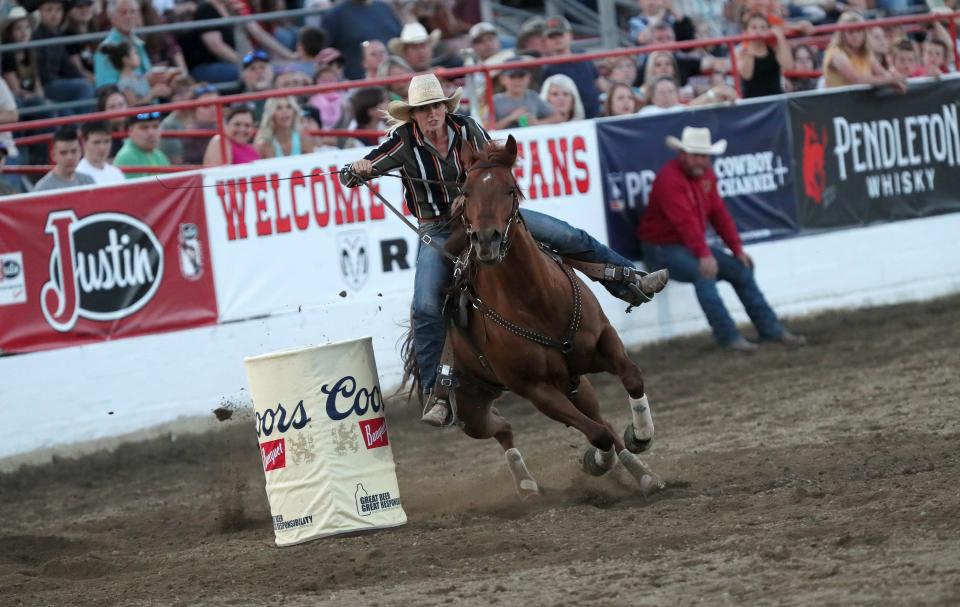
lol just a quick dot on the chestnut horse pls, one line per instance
(512, 282)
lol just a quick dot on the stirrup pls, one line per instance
(440, 410)
(437, 413)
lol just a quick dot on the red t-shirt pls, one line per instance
(680, 208)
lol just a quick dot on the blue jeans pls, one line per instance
(220, 71)
(69, 89)
(685, 267)
(433, 278)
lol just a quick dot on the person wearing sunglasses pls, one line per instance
(141, 149)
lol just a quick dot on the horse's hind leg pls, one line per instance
(612, 357)
(480, 420)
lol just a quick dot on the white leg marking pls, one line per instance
(526, 485)
(642, 418)
(605, 459)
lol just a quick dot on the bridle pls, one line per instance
(514, 215)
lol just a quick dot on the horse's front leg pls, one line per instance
(612, 357)
(480, 420)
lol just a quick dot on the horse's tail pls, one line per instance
(411, 370)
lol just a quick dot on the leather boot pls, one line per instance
(436, 412)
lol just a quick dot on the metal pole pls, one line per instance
(221, 131)
(486, 11)
(609, 32)
(953, 39)
(489, 93)
(737, 84)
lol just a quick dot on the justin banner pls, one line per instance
(100, 263)
(877, 155)
(754, 175)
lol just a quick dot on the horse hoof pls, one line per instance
(590, 465)
(634, 444)
(528, 490)
(650, 484)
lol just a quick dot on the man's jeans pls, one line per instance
(69, 89)
(685, 267)
(434, 275)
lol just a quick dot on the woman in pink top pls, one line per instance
(239, 131)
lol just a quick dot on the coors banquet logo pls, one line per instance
(105, 266)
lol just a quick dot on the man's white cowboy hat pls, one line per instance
(424, 90)
(695, 140)
(412, 33)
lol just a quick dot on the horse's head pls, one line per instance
(491, 198)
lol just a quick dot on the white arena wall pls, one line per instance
(96, 391)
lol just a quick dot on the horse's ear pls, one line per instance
(511, 148)
(468, 154)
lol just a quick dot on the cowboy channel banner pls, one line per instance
(755, 175)
(101, 263)
(286, 234)
(866, 156)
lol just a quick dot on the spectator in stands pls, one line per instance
(517, 105)
(683, 201)
(289, 77)
(141, 149)
(374, 54)
(65, 155)
(79, 20)
(238, 128)
(256, 76)
(804, 60)
(310, 41)
(484, 40)
(210, 51)
(7, 187)
(687, 64)
(849, 61)
(616, 70)
(124, 16)
(281, 133)
(189, 150)
(110, 99)
(415, 46)
(334, 106)
(8, 115)
(906, 59)
(561, 92)
(620, 101)
(126, 60)
(369, 111)
(933, 59)
(61, 79)
(341, 24)
(879, 45)
(663, 96)
(162, 47)
(20, 68)
(96, 147)
(530, 40)
(395, 66)
(760, 64)
(653, 12)
(559, 37)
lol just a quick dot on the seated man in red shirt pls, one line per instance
(673, 232)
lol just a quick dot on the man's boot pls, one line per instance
(438, 411)
(641, 289)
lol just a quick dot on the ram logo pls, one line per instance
(354, 256)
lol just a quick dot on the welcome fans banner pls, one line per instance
(876, 155)
(286, 234)
(755, 175)
(96, 264)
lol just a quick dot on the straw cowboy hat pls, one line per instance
(413, 33)
(424, 90)
(16, 14)
(696, 141)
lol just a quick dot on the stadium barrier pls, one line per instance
(275, 254)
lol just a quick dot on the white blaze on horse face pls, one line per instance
(486, 178)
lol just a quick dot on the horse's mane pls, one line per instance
(496, 153)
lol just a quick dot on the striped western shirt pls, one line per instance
(407, 149)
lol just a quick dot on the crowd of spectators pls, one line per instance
(363, 39)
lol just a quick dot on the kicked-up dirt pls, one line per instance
(823, 475)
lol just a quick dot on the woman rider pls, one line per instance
(424, 143)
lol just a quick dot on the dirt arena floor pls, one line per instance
(828, 475)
